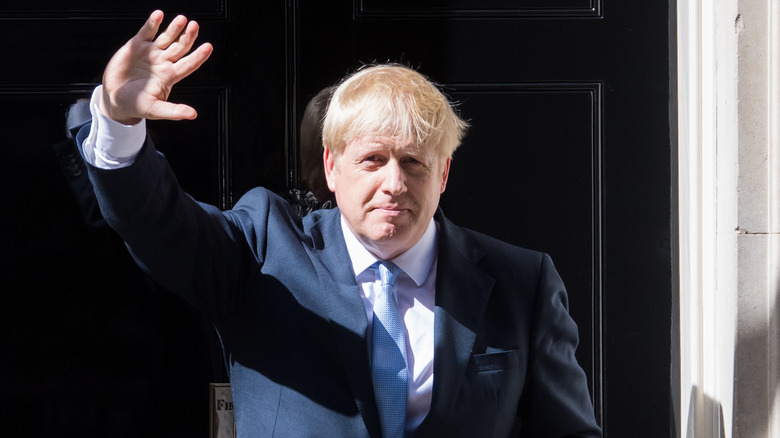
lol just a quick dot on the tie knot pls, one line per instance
(388, 272)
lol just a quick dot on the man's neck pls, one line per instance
(415, 261)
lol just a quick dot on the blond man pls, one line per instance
(378, 318)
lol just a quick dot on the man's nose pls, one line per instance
(394, 179)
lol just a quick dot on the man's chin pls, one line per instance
(388, 235)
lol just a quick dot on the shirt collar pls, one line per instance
(416, 262)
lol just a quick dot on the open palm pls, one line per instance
(139, 77)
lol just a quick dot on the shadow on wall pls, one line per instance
(703, 407)
(756, 379)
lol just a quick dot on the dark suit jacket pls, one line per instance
(283, 297)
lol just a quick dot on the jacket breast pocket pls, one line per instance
(495, 361)
(491, 390)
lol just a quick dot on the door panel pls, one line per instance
(530, 187)
(569, 153)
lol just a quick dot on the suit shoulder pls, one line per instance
(254, 196)
(263, 213)
(260, 201)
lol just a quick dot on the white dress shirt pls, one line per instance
(415, 294)
(112, 145)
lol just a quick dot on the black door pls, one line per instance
(569, 152)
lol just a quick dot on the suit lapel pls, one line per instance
(462, 292)
(347, 316)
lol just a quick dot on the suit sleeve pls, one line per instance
(190, 248)
(557, 402)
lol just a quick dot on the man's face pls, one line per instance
(387, 190)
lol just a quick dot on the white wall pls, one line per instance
(729, 183)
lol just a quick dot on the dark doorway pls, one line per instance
(570, 152)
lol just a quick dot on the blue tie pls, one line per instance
(389, 371)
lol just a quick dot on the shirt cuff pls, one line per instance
(110, 144)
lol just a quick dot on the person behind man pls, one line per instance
(377, 318)
(310, 150)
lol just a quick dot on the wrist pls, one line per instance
(112, 112)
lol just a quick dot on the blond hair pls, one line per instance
(393, 100)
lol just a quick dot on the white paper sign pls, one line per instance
(221, 408)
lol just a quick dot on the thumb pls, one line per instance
(162, 110)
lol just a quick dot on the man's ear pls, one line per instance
(445, 174)
(329, 161)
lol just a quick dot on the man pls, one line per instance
(378, 318)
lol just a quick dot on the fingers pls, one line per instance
(171, 33)
(184, 42)
(185, 66)
(140, 75)
(152, 25)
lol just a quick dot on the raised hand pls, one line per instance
(139, 77)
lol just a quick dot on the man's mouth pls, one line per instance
(391, 210)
